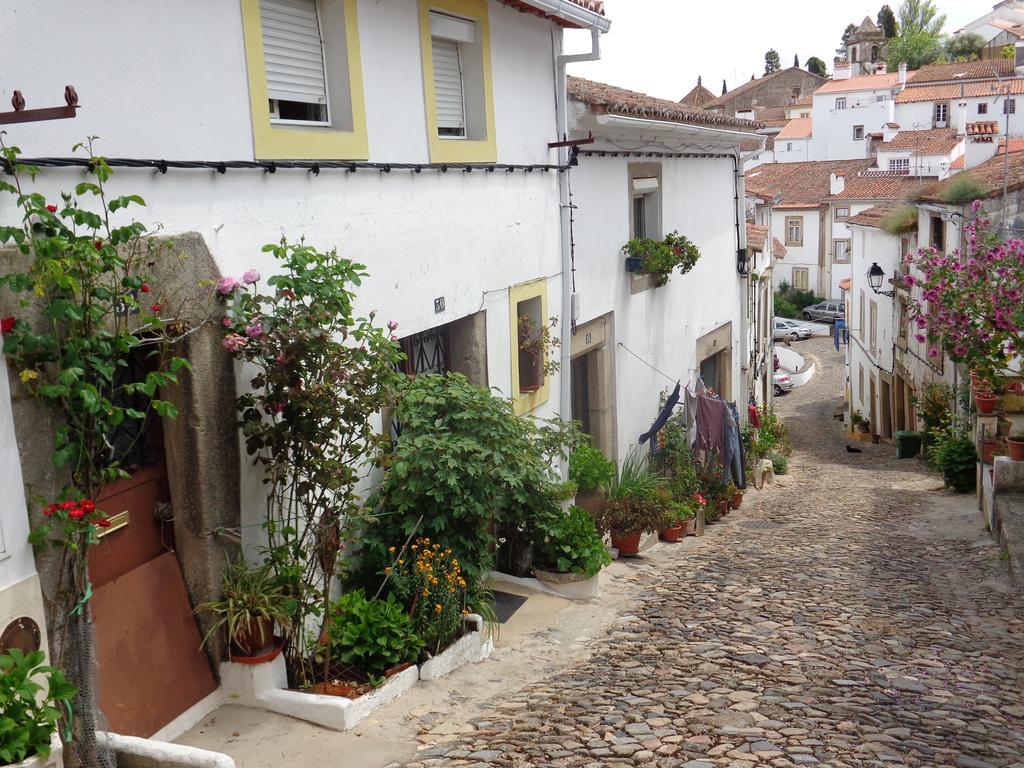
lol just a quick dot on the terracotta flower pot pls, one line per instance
(1015, 449)
(628, 543)
(986, 403)
(990, 448)
(255, 639)
(671, 534)
(737, 500)
(531, 373)
(723, 508)
(260, 658)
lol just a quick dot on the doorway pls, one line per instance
(592, 386)
(873, 407)
(885, 406)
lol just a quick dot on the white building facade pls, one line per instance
(847, 111)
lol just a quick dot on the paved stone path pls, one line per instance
(832, 621)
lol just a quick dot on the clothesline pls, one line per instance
(673, 379)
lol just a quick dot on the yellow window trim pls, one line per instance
(458, 150)
(278, 142)
(526, 402)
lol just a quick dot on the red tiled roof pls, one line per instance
(938, 141)
(797, 128)
(989, 176)
(983, 128)
(698, 97)
(725, 98)
(1016, 145)
(757, 236)
(778, 249)
(880, 186)
(963, 71)
(958, 164)
(620, 101)
(799, 185)
(861, 83)
(844, 284)
(873, 217)
(969, 90)
(775, 123)
(594, 6)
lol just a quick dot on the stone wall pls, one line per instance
(786, 87)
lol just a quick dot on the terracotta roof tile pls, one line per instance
(880, 186)
(620, 101)
(958, 164)
(778, 249)
(725, 98)
(775, 123)
(938, 141)
(799, 185)
(963, 71)
(861, 83)
(989, 175)
(969, 90)
(757, 236)
(873, 217)
(698, 97)
(983, 128)
(797, 128)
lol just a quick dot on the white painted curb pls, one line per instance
(471, 648)
(134, 752)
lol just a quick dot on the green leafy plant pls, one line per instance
(962, 190)
(953, 454)
(429, 580)
(251, 603)
(590, 469)
(679, 512)
(321, 374)
(371, 636)
(30, 714)
(570, 543)
(661, 257)
(636, 478)
(790, 301)
(780, 464)
(631, 514)
(540, 343)
(934, 406)
(90, 306)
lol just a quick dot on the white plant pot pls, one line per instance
(55, 760)
(472, 648)
(575, 586)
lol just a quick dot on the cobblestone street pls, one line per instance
(851, 615)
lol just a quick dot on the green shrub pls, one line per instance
(934, 406)
(590, 469)
(780, 464)
(371, 635)
(28, 716)
(631, 514)
(660, 258)
(962, 190)
(785, 308)
(901, 221)
(570, 543)
(636, 478)
(430, 582)
(954, 456)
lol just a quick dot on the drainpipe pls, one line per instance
(570, 309)
(741, 243)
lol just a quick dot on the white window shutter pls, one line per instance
(448, 95)
(293, 51)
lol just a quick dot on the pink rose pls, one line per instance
(254, 331)
(226, 322)
(392, 325)
(233, 342)
(227, 286)
(251, 277)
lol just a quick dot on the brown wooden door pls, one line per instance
(151, 664)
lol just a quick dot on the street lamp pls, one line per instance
(875, 277)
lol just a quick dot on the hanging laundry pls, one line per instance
(732, 453)
(663, 416)
(754, 415)
(710, 423)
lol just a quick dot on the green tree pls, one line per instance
(887, 21)
(772, 62)
(817, 67)
(916, 49)
(921, 16)
(965, 47)
(847, 34)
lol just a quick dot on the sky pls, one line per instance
(659, 47)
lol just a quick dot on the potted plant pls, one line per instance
(633, 508)
(569, 547)
(30, 714)
(593, 474)
(737, 498)
(660, 257)
(876, 438)
(679, 521)
(251, 604)
(377, 638)
(986, 402)
(992, 447)
(1015, 446)
(534, 361)
(862, 424)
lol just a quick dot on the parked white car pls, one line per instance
(788, 329)
(783, 383)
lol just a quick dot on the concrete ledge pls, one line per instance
(265, 686)
(1008, 527)
(133, 752)
(570, 585)
(55, 760)
(471, 648)
(1008, 476)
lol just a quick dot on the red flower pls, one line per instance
(77, 513)
(155, 307)
(49, 510)
(51, 208)
(98, 244)
(7, 324)
(104, 523)
(88, 506)
(144, 287)
(66, 505)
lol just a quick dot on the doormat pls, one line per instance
(506, 604)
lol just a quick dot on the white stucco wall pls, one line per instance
(798, 256)
(467, 237)
(920, 115)
(833, 128)
(792, 150)
(16, 562)
(660, 325)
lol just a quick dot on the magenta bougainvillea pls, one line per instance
(970, 303)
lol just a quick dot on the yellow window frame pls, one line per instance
(458, 150)
(524, 402)
(280, 142)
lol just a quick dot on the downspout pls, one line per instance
(741, 245)
(570, 310)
